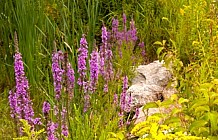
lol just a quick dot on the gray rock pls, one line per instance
(150, 84)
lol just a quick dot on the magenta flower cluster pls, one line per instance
(94, 70)
(82, 56)
(124, 36)
(125, 101)
(70, 80)
(64, 80)
(103, 50)
(19, 100)
(106, 67)
(57, 58)
(51, 130)
(63, 76)
(46, 108)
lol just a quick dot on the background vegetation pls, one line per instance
(183, 32)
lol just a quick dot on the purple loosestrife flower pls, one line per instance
(119, 48)
(142, 46)
(124, 21)
(101, 64)
(57, 57)
(109, 64)
(123, 96)
(46, 108)
(124, 26)
(37, 121)
(51, 128)
(64, 126)
(115, 99)
(122, 101)
(20, 103)
(133, 32)
(83, 55)
(86, 102)
(105, 87)
(104, 37)
(121, 118)
(13, 104)
(70, 79)
(56, 110)
(103, 50)
(93, 62)
(115, 24)
(128, 103)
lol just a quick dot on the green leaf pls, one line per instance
(172, 120)
(213, 120)
(39, 132)
(174, 97)
(204, 129)
(197, 124)
(120, 135)
(214, 95)
(215, 102)
(166, 103)
(202, 108)
(21, 138)
(113, 134)
(196, 103)
(183, 100)
(158, 43)
(213, 137)
(159, 50)
(175, 111)
(215, 81)
(165, 18)
(164, 42)
(150, 105)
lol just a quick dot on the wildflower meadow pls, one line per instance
(66, 66)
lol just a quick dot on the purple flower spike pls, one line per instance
(103, 50)
(51, 129)
(37, 121)
(71, 79)
(46, 108)
(93, 70)
(124, 20)
(13, 103)
(115, 24)
(133, 32)
(57, 57)
(142, 46)
(105, 87)
(125, 84)
(109, 64)
(104, 36)
(115, 99)
(20, 103)
(128, 103)
(123, 94)
(124, 25)
(86, 102)
(83, 55)
(64, 126)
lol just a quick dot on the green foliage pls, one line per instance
(117, 136)
(28, 130)
(151, 129)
